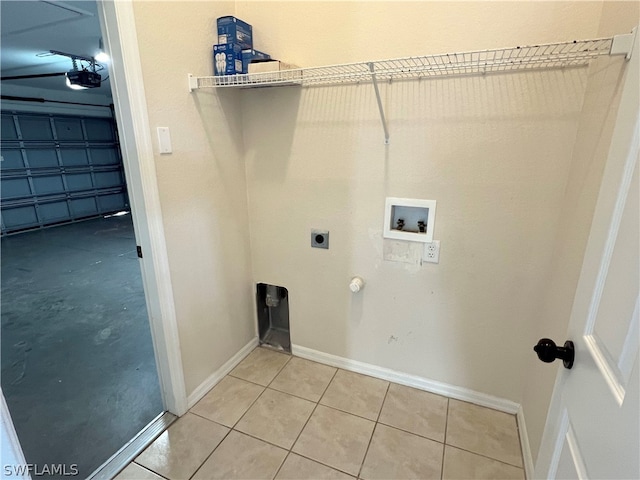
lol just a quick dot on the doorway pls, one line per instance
(78, 367)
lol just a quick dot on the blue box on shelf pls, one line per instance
(227, 59)
(249, 55)
(234, 30)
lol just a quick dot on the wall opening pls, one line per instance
(273, 316)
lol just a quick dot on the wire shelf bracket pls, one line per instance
(577, 53)
(379, 100)
(623, 44)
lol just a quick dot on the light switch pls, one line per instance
(164, 140)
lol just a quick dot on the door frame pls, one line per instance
(118, 27)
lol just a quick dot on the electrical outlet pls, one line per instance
(319, 238)
(432, 252)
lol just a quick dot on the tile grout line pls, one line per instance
(230, 374)
(313, 411)
(249, 408)
(167, 429)
(265, 387)
(260, 439)
(305, 423)
(476, 453)
(232, 429)
(323, 464)
(411, 433)
(290, 355)
(444, 440)
(214, 421)
(292, 394)
(281, 368)
(485, 456)
(375, 426)
(147, 469)
(359, 416)
(209, 456)
(298, 396)
(282, 464)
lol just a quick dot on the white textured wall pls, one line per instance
(313, 33)
(202, 184)
(495, 152)
(587, 165)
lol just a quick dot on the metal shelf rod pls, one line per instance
(379, 100)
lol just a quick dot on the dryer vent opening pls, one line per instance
(273, 316)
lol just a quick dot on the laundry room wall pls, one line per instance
(494, 151)
(604, 84)
(201, 184)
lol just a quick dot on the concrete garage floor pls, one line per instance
(78, 368)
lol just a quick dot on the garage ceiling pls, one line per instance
(29, 29)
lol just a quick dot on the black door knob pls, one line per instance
(548, 351)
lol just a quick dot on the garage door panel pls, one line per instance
(99, 130)
(15, 188)
(108, 179)
(79, 181)
(42, 158)
(112, 202)
(11, 159)
(49, 157)
(54, 212)
(69, 129)
(104, 156)
(19, 217)
(35, 128)
(48, 184)
(8, 129)
(84, 207)
(73, 157)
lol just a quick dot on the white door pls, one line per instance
(593, 424)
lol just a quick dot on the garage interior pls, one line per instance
(78, 368)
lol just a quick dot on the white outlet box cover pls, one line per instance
(415, 209)
(164, 140)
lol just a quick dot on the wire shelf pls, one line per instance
(552, 55)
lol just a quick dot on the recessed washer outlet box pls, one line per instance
(320, 239)
(409, 219)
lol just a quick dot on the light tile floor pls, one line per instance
(283, 417)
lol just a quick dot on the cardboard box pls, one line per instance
(234, 30)
(249, 55)
(270, 66)
(271, 71)
(227, 59)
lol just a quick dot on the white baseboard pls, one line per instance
(219, 374)
(527, 458)
(451, 391)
